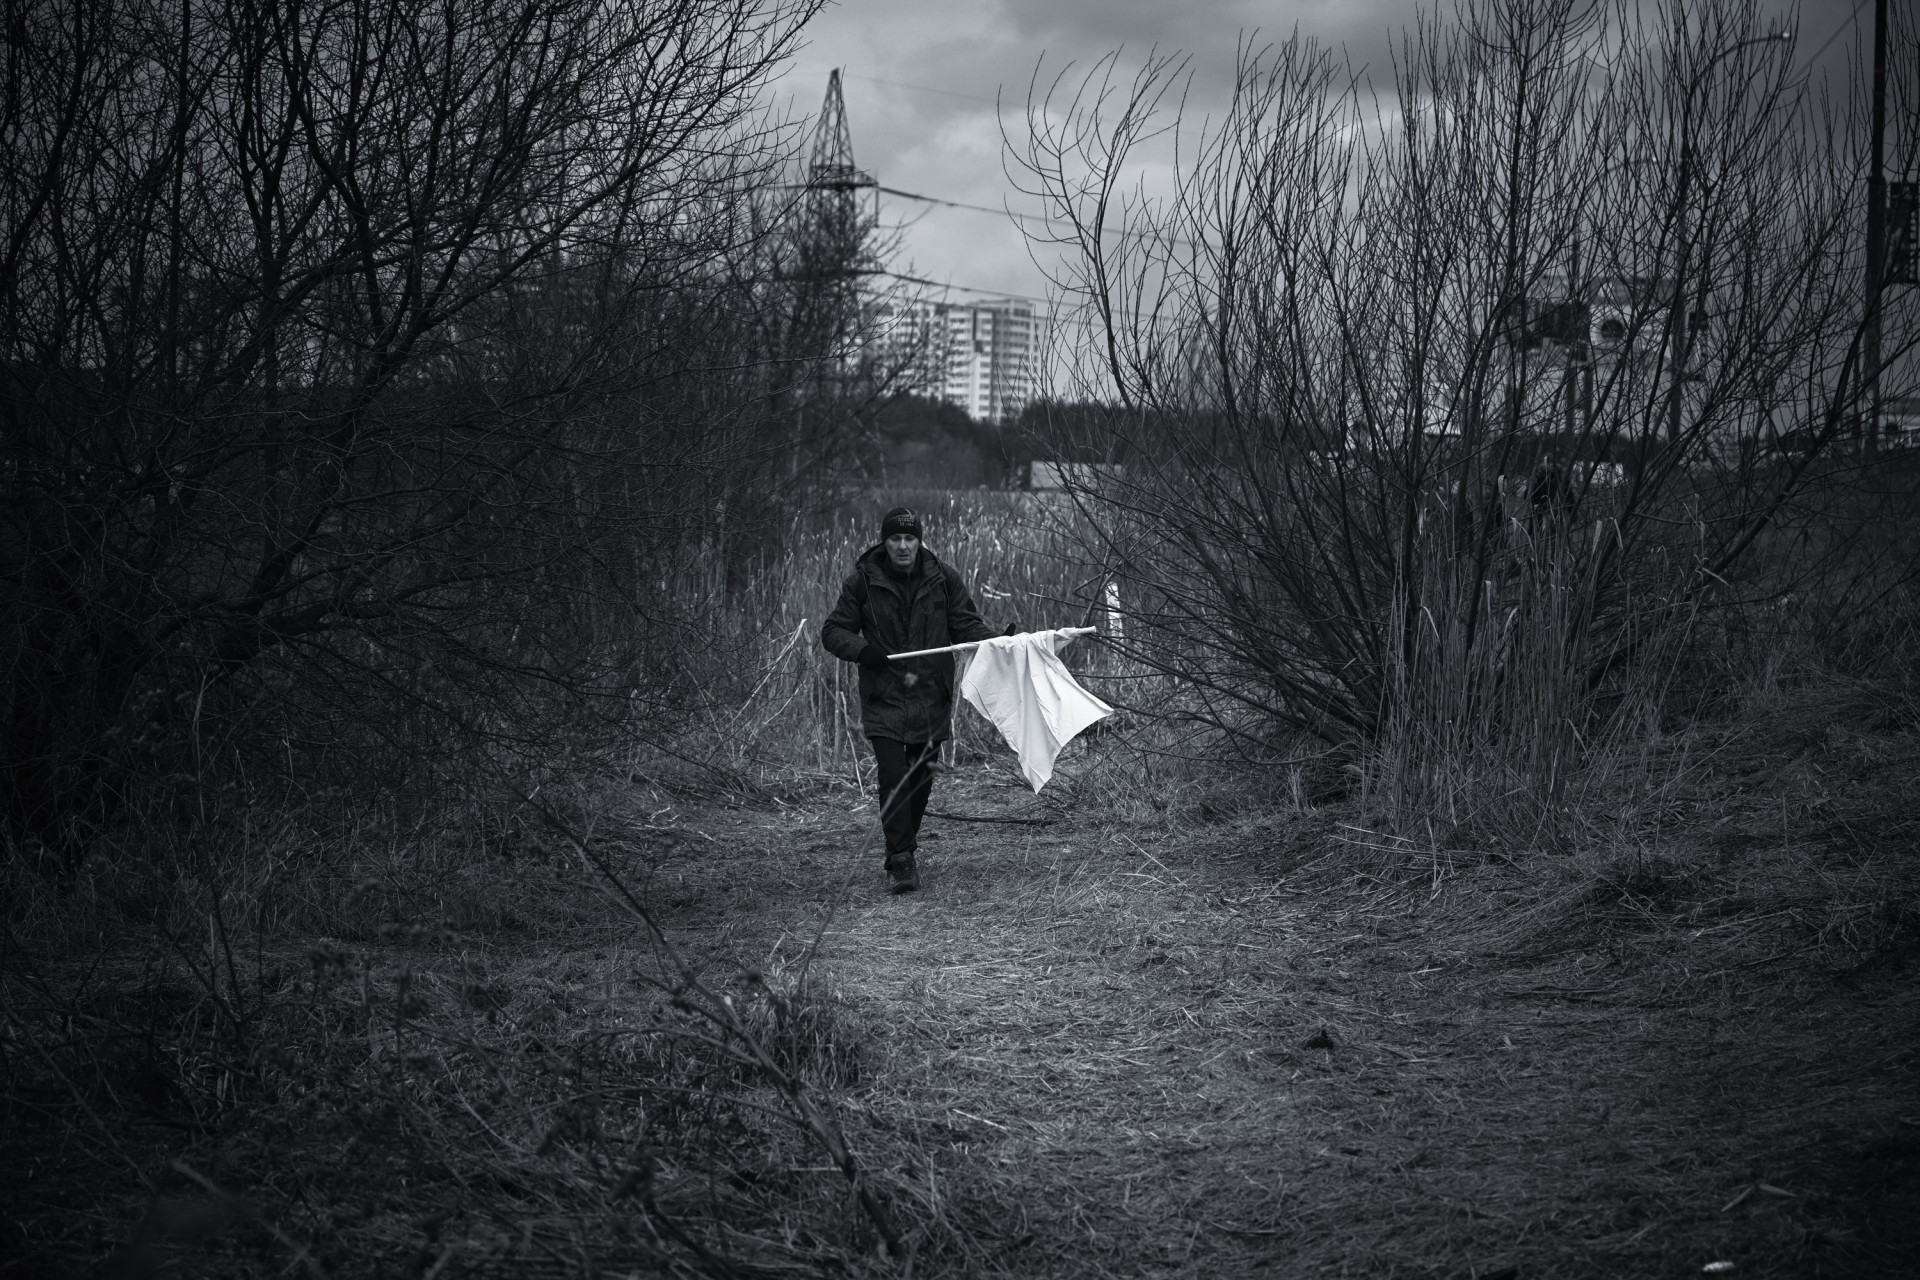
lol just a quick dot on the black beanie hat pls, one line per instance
(900, 520)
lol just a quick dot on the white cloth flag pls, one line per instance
(1020, 684)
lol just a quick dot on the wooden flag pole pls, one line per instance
(955, 648)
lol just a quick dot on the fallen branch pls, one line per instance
(691, 995)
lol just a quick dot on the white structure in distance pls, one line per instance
(984, 357)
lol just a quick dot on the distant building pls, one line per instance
(1900, 422)
(984, 357)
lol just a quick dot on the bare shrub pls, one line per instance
(1446, 413)
(374, 379)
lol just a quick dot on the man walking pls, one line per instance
(899, 598)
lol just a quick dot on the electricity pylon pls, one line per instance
(831, 248)
(834, 221)
(826, 251)
(831, 168)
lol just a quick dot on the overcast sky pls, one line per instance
(921, 77)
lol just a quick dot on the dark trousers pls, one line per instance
(906, 781)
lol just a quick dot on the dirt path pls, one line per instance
(1083, 1052)
(1085, 1049)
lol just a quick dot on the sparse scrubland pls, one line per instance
(1173, 1016)
(436, 845)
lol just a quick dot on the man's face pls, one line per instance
(901, 549)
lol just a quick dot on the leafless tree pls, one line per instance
(365, 365)
(1443, 407)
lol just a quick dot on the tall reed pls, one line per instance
(1495, 722)
(800, 709)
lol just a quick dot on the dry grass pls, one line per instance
(1203, 1061)
(1091, 1047)
(802, 711)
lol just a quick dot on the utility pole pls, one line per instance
(1876, 226)
(1578, 351)
(1677, 317)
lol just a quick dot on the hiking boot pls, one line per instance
(904, 876)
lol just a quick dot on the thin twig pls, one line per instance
(692, 995)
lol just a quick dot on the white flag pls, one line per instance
(1020, 684)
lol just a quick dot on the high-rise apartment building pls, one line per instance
(984, 357)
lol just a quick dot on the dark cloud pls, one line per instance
(1200, 24)
(1104, 23)
(922, 76)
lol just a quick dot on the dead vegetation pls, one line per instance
(1126, 1042)
(454, 857)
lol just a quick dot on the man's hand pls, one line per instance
(874, 658)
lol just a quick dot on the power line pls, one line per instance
(976, 208)
(963, 288)
(1121, 232)
(1852, 18)
(1076, 316)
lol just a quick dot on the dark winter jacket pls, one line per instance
(924, 609)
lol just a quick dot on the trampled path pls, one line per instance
(1086, 1050)
(1685, 1039)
